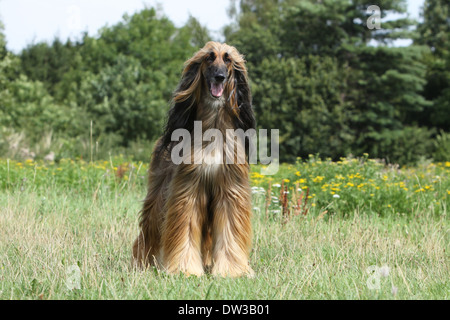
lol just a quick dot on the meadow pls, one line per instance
(351, 229)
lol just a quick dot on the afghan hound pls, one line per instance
(196, 217)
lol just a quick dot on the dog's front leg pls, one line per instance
(232, 233)
(182, 229)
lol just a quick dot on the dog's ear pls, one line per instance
(190, 82)
(182, 112)
(246, 118)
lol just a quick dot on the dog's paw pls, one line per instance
(232, 271)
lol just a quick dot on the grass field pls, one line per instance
(352, 229)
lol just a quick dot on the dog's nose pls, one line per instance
(219, 78)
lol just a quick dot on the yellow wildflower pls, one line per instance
(318, 178)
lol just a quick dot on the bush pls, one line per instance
(442, 145)
(406, 146)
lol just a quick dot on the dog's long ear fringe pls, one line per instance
(246, 119)
(182, 113)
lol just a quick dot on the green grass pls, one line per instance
(54, 216)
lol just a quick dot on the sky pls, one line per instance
(31, 21)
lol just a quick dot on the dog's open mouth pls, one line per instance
(216, 89)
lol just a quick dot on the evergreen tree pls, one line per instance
(434, 32)
(363, 97)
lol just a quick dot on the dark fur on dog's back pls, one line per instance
(197, 216)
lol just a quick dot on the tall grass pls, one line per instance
(56, 216)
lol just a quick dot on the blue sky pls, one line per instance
(28, 21)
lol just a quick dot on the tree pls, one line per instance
(302, 98)
(135, 65)
(48, 63)
(351, 95)
(121, 80)
(130, 114)
(434, 32)
(384, 93)
(295, 28)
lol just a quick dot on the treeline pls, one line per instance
(331, 85)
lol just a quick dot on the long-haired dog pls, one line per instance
(196, 217)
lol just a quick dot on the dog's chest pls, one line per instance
(213, 159)
(219, 154)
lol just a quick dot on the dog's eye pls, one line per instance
(226, 58)
(211, 57)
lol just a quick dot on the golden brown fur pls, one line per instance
(196, 217)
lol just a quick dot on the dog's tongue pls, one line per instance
(217, 89)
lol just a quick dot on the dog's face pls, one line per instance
(215, 76)
(216, 69)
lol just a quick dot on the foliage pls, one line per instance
(121, 82)
(356, 184)
(331, 85)
(384, 94)
(340, 187)
(337, 93)
(442, 144)
(302, 97)
(434, 32)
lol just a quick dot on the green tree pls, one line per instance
(48, 63)
(294, 28)
(121, 80)
(434, 32)
(126, 100)
(384, 93)
(302, 98)
(134, 68)
(352, 96)
(27, 107)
